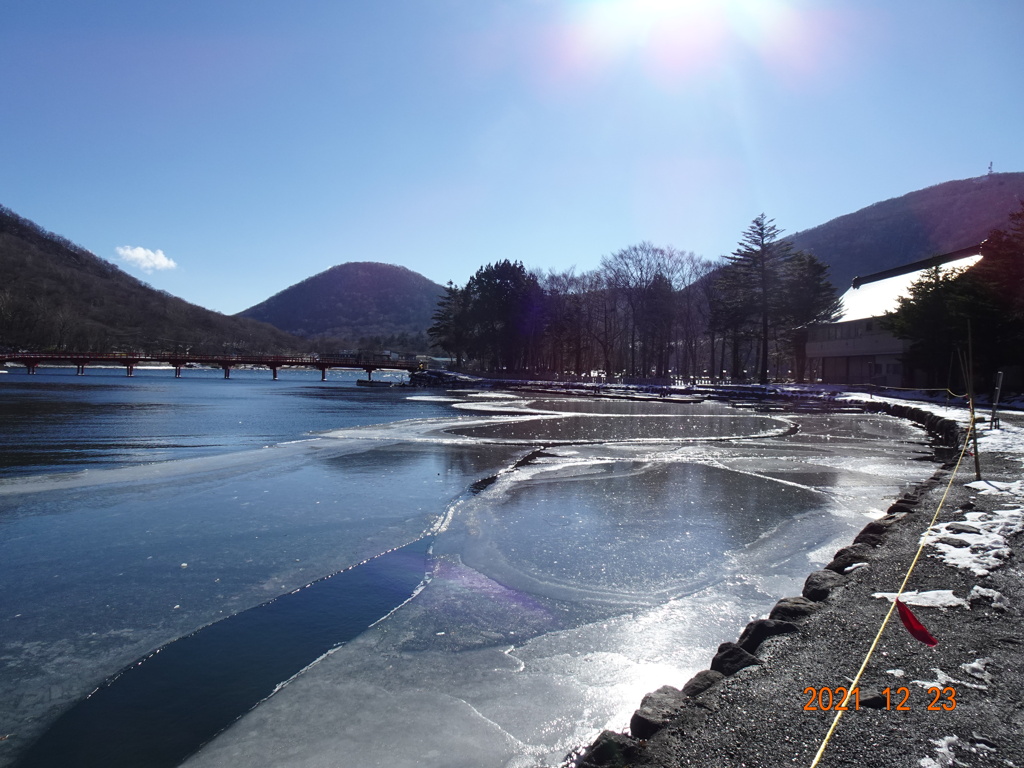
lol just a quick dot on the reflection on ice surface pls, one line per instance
(570, 587)
(578, 536)
(379, 702)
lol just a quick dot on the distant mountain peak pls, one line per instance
(352, 301)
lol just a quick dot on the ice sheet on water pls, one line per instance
(437, 431)
(567, 421)
(499, 406)
(434, 398)
(557, 531)
(398, 697)
(520, 638)
(540, 627)
(160, 472)
(549, 429)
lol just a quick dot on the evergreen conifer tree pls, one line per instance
(758, 265)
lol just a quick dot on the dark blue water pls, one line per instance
(56, 421)
(163, 708)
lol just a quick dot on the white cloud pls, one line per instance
(145, 259)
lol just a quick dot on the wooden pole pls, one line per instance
(970, 396)
(994, 420)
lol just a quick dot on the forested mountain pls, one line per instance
(57, 295)
(358, 304)
(928, 222)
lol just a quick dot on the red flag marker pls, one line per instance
(915, 627)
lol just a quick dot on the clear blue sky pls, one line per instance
(257, 142)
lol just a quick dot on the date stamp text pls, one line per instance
(823, 698)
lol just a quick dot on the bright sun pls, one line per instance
(679, 38)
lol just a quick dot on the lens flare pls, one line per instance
(674, 41)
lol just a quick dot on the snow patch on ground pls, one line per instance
(943, 753)
(944, 757)
(1006, 439)
(996, 488)
(978, 669)
(936, 598)
(980, 545)
(999, 601)
(943, 680)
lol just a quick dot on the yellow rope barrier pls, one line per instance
(892, 607)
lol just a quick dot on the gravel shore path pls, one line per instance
(963, 698)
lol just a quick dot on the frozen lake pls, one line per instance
(548, 560)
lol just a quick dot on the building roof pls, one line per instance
(878, 293)
(918, 266)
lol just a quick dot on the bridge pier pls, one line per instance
(323, 372)
(273, 370)
(227, 370)
(369, 372)
(129, 369)
(177, 371)
(80, 369)
(30, 368)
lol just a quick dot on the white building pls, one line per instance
(856, 349)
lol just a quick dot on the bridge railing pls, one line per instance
(313, 359)
(367, 362)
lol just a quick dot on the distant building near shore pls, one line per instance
(856, 349)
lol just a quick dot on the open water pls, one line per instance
(247, 572)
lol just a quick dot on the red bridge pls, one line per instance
(179, 360)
